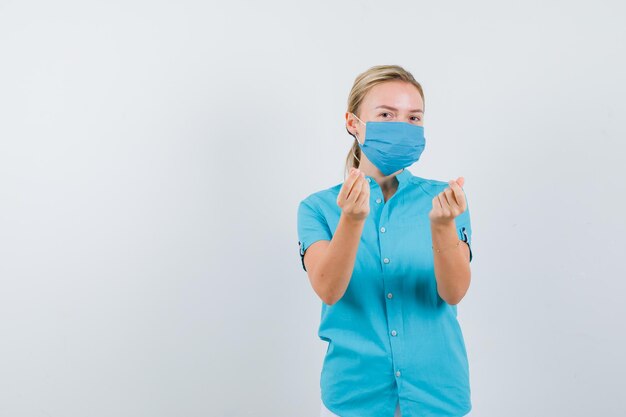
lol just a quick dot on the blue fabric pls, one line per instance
(391, 318)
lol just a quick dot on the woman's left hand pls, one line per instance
(449, 203)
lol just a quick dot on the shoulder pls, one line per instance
(319, 205)
(322, 197)
(429, 186)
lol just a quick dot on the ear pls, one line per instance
(351, 123)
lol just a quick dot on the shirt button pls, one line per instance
(398, 373)
(379, 200)
(383, 230)
(394, 333)
(390, 295)
(386, 260)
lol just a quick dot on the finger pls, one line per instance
(365, 194)
(444, 205)
(362, 199)
(359, 174)
(356, 190)
(343, 192)
(458, 194)
(437, 203)
(347, 185)
(450, 199)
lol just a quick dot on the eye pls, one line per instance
(416, 118)
(385, 115)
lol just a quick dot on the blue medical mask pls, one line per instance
(392, 146)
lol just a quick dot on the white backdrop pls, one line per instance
(153, 153)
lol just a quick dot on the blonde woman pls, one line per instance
(388, 253)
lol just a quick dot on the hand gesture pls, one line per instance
(354, 196)
(449, 203)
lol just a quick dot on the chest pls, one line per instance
(396, 237)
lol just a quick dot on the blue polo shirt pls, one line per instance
(391, 337)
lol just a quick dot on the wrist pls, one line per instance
(442, 226)
(351, 221)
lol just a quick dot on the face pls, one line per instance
(391, 101)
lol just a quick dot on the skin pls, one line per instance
(330, 263)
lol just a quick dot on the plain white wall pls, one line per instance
(153, 154)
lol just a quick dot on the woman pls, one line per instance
(383, 252)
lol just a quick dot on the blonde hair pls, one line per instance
(362, 85)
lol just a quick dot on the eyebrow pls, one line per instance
(394, 109)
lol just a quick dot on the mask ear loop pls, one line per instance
(357, 139)
(357, 158)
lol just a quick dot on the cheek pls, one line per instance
(361, 134)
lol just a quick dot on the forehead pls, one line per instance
(399, 94)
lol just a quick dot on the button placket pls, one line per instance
(394, 315)
(382, 229)
(393, 305)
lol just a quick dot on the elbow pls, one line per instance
(453, 297)
(453, 294)
(328, 301)
(329, 297)
(326, 288)
(453, 301)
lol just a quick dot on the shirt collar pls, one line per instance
(404, 177)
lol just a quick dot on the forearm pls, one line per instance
(452, 269)
(334, 269)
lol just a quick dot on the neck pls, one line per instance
(385, 182)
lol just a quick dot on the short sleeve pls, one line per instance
(464, 227)
(312, 226)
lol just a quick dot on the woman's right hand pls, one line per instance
(354, 196)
